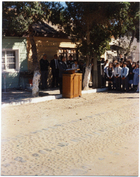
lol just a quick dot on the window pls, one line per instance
(9, 59)
(68, 52)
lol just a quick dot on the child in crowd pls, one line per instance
(109, 73)
(124, 77)
(130, 74)
(117, 76)
(136, 76)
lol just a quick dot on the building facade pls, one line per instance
(14, 60)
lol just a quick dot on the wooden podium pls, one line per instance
(72, 84)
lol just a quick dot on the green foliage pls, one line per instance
(88, 24)
(19, 16)
(127, 20)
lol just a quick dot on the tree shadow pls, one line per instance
(41, 94)
(128, 98)
(122, 93)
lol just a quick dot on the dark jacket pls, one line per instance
(44, 65)
(52, 65)
(131, 74)
(62, 68)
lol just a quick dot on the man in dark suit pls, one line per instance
(70, 62)
(62, 69)
(44, 71)
(55, 71)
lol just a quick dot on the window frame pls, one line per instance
(17, 67)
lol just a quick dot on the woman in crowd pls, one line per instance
(109, 73)
(105, 67)
(130, 75)
(136, 76)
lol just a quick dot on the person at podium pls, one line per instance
(75, 66)
(62, 68)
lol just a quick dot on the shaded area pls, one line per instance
(23, 95)
(120, 92)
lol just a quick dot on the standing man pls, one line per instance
(124, 76)
(62, 69)
(44, 71)
(70, 62)
(55, 71)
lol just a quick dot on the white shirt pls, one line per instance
(105, 67)
(117, 71)
(74, 66)
(125, 72)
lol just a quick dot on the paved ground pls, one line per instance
(96, 134)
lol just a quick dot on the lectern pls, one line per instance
(72, 84)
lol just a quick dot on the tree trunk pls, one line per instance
(36, 76)
(33, 48)
(95, 73)
(87, 76)
(36, 80)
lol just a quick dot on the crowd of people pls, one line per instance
(122, 75)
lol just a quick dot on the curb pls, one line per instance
(32, 100)
(94, 90)
(47, 98)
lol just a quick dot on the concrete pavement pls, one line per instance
(18, 97)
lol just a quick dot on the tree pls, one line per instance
(87, 24)
(91, 25)
(19, 17)
(127, 26)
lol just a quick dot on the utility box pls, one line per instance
(72, 85)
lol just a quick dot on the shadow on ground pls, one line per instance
(22, 95)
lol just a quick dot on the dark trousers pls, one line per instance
(110, 81)
(118, 83)
(125, 83)
(55, 80)
(60, 84)
(44, 77)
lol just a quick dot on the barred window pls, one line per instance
(9, 59)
